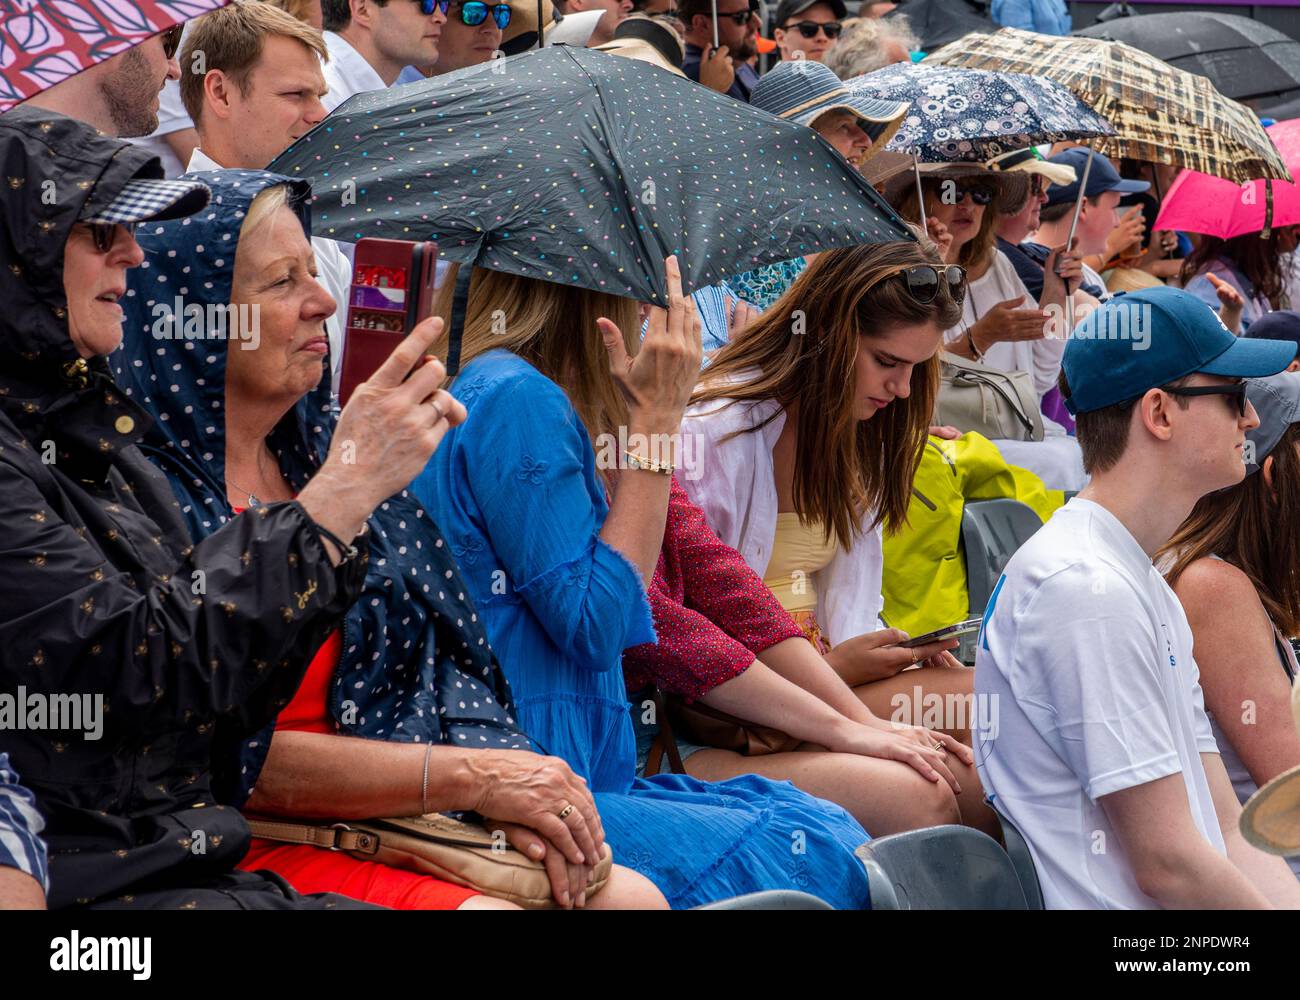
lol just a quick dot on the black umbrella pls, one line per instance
(1244, 59)
(576, 166)
(938, 22)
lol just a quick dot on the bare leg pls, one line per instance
(885, 796)
(935, 697)
(627, 890)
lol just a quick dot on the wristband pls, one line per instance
(346, 551)
(970, 339)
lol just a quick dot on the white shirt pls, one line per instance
(333, 271)
(347, 72)
(734, 483)
(1040, 358)
(1085, 664)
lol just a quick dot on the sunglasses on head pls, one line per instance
(171, 39)
(427, 7)
(1237, 390)
(923, 281)
(809, 29)
(104, 234)
(475, 12)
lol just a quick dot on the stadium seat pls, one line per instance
(1021, 858)
(991, 530)
(773, 899)
(941, 868)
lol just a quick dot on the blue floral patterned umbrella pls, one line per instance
(974, 115)
(576, 166)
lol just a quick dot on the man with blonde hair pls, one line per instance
(260, 91)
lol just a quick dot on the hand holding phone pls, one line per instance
(949, 632)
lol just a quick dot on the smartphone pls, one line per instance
(393, 285)
(951, 632)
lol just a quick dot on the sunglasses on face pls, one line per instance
(978, 195)
(104, 234)
(740, 18)
(1037, 184)
(1237, 392)
(427, 7)
(171, 39)
(475, 12)
(809, 29)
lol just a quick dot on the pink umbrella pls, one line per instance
(1199, 203)
(43, 42)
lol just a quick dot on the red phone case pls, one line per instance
(393, 283)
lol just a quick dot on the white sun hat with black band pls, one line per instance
(802, 90)
(1031, 161)
(147, 200)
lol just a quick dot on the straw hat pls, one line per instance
(648, 39)
(566, 29)
(1271, 818)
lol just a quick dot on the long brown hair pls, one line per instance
(804, 347)
(1256, 528)
(553, 328)
(1260, 260)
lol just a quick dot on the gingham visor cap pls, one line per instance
(145, 200)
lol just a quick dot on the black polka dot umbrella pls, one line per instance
(580, 167)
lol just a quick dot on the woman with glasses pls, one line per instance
(808, 444)
(1002, 325)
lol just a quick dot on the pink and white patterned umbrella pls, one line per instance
(43, 42)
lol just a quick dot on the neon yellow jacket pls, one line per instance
(925, 572)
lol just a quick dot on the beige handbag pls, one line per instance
(997, 404)
(445, 848)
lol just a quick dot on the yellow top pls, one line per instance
(798, 551)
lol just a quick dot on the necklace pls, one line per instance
(253, 501)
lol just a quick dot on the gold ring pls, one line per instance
(564, 813)
(937, 746)
(915, 657)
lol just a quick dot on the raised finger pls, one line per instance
(408, 352)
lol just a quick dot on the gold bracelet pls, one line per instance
(970, 339)
(424, 782)
(635, 461)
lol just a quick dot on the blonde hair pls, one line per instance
(265, 204)
(553, 328)
(861, 48)
(231, 39)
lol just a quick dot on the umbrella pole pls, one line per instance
(541, 15)
(715, 24)
(1069, 240)
(920, 193)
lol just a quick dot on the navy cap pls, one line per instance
(1282, 324)
(1277, 401)
(1101, 178)
(1147, 339)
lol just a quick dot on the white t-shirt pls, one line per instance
(1085, 673)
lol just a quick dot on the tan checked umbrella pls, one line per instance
(1161, 114)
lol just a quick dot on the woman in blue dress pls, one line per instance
(558, 572)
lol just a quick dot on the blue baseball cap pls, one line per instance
(1101, 178)
(1147, 339)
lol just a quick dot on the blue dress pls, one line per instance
(516, 491)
